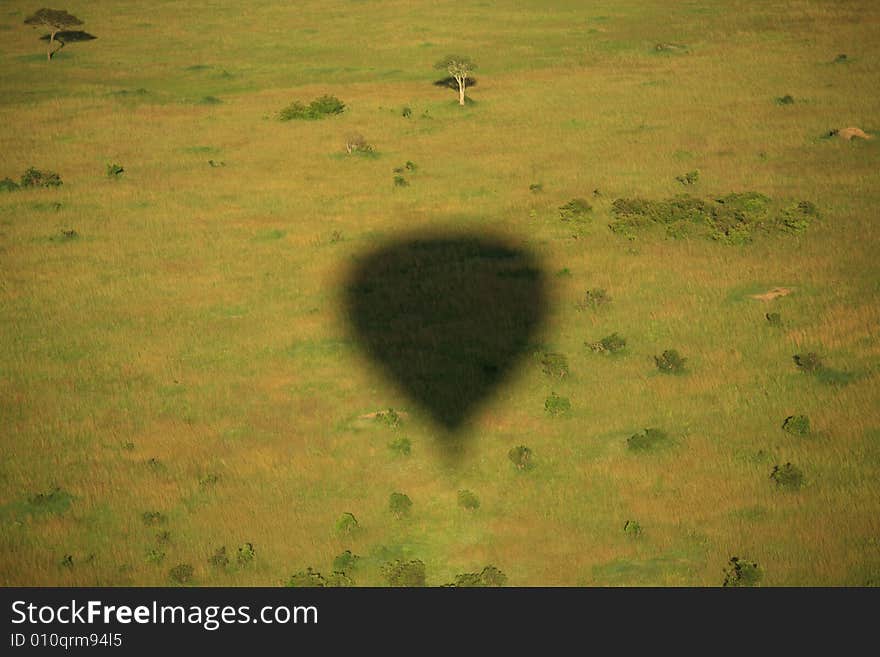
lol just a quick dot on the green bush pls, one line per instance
(246, 554)
(181, 573)
(489, 576)
(389, 418)
(36, 178)
(406, 112)
(787, 477)
(307, 578)
(347, 523)
(555, 365)
(317, 109)
(152, 518)
(577, 209)
(399, 504)
(345, 562)
(521, 457)
(610, 344)
(810, 362)
(400, 181)
(798, 425)
(787, 99)
(670, 362)
(401, 446)
(742, 573)
(8, 185)
(338, 580)
(648, 440)
(404, 573)
(798, 217)
(468, 500)
(114, 170)
(555, 405)
(632, 529)
(155, 555)
(536, 187)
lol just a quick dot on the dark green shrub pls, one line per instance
(798, 425)
(338, 580)
(401, 446)
(400, 181)
(410, 166)
(798, 217)
(610, 344)
(809, 362)
(468, 500)
(246, 554)
(689, 178)
(489, 576)
(347, 523)
(536, 187)
(648, 440)
(670, 362)
(521, 457)
(55, 501)
(632, 529)
(114, 170)
(181, 573)
(307, 578)
(577, 209)
(596, 298)
(163, 537)
(841, 59)
(209, 479)
(399, 504)
(317, 109)
(774, 319)
(345, 562)
(742, 573)
(36, 178)
(555, 405)
(8, 185)
(406, 112)
(219, 559)
(787, 99)
(296, 110)
(787, 477)
(404, 573)
(555, 365)
(155, 555)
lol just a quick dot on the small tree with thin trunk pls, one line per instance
(460, 69)
(54, 20)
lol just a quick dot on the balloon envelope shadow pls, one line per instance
(446, 317)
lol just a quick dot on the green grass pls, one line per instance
(197, 314)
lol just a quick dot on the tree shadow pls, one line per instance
(446, 317)
(451, 83)
(69, 36)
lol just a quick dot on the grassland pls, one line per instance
(186, 353)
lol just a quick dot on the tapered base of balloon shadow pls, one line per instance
(446, 317)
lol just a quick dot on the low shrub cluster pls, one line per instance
(318, 109)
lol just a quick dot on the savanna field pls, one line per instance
(183, 399)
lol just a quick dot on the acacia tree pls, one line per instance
(459, 68)
(55, 20)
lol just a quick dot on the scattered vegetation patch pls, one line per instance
(785, 100)
(406, 112)
(401, 446)
(489, 576)
(55, 501)
(219, 559)
(536, 188)
(468, 500)
(740, 572)
(345, 562)
(554, 365)
(389, 418)
(670, 362)
(576, 210)
(347, 524)
(798, 425)
(596, 298)
(182, 573)
(610, 344)
(404, 573)
(319, 108)
(555, 405)
(307, 578)
(399, 504)
(521, 457)
(210, 100)
(152, 518)
(9, 185)
(689, 178)
(246, 554)
(155, 555)
(400, 181)
(809, 362)
(731, 219)
(773, 319)
(787, 477)
(648, 440)
(35, 178)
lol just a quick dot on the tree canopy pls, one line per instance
(55, 20)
